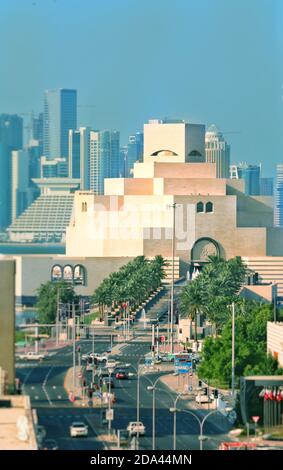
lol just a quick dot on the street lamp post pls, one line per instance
(110, 370)
(153, 388)
(175, 420)
(172, 280)
(233, 350)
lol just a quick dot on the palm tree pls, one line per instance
(191, 302)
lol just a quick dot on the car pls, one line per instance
(111, 364)
(121, 375)
(108, 381)
(136, 427)
(49, 444)
(40, 433)
(100, 357)
(123, 437)
(78, 429)
(109, 349)
(31, 356)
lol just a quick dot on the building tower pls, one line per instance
(79, 155)
(11, 131)
(134, 153)
(60, 115)
(21, 193)
(104, 158)
(278, 202)
(250, 174)
(217, 151)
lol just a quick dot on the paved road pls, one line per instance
(44, 383)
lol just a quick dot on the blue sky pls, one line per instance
(208, 61)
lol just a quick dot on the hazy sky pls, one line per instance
(208, 61)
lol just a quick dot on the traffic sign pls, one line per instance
(110, 414)
(255, 419)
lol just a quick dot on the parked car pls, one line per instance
(136, 427)
(122, 375)
(50, 444)
(78, 429)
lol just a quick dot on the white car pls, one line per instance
(31, 356)
(111, 364)
(136, 427)
(78, 429)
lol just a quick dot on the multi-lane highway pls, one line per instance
(44, 382)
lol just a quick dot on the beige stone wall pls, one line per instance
(36, 269)
(275, 241)
(194, 186)
(151, 169)
(7, 318)
(254, 211)
(260, 293)
(275, 340)
(129, 186)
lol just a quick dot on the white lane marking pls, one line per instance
(44, 386)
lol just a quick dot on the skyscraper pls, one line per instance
(266, 186)
(37, 131)
(11, 131)
(104, 158)
(79, 155)
(134, 153)
(217, 151)
(60, 115)
(250, 174)
(278, 202)
(21, 193)
(5, 186)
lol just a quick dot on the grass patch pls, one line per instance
(92, 316)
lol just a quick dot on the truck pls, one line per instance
(31, 356)
(203, 399)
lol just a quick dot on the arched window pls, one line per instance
(195, 153)
(79, 275)
(200, 207)
(209, 207)
(168, 153)
(68, 273)
(56, 273)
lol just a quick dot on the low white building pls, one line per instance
(275, 340)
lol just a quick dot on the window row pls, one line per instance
(75, 275)
(207, 207)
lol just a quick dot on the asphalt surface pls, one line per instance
(44, 383)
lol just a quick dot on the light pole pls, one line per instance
(233, 350)
(175, 420)
(110, 371)
(200, 422)
(92, 355)
(153, 388)
(172, 280)
(74, 345)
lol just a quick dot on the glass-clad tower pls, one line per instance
(60, 115)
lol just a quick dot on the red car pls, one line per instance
(121, 374)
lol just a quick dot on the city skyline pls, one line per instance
(135, 92)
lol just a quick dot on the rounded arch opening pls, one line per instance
(68, 273)
(56, 273)
(79, 275)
